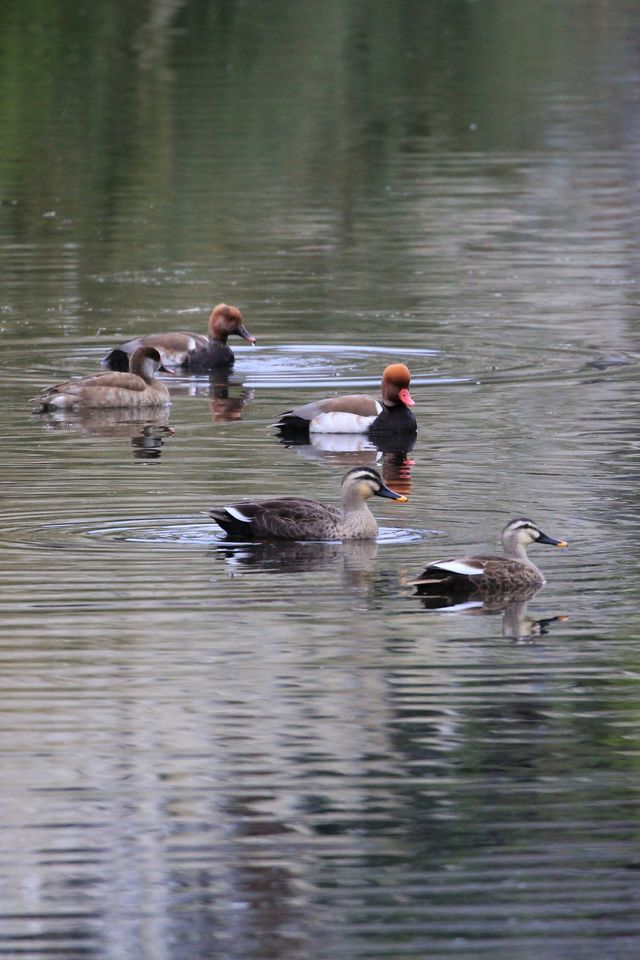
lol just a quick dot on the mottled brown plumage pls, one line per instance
(135, 389)
(489, 574)
(191, 350)
(295, 518)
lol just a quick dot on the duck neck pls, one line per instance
(352, 502)
(146, 370)
(513, 620)
(358, 521)
(514, 550)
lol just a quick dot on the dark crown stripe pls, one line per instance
(363, 473)
(522, 522)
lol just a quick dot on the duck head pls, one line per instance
(226, 320)
(365, 482)
(145, 362)
(395, 386)
(522, 531)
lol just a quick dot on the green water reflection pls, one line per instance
(211, 750)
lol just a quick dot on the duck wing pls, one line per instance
(174, 348)
(283, 518)
(104, 390)
(352, 413)
(98, 381)
(456, 570)
(484, 573)
(357, 404)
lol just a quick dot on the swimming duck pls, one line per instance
(491, 574)
(358, 413)
(191, 350)
(107, 390)
(294, 518)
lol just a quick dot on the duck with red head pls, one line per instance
(191, 351)
(358, 413)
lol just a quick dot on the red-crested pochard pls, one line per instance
(193, 351)
(109, 390)
(358, 413)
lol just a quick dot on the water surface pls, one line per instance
(256, 751)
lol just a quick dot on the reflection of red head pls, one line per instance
(396, 471)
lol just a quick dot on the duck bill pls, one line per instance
(406, 398)
(543, 538)
(391, 494)
(244, 333)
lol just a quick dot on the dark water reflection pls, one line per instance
(517, 624)
(147, 432)
(227, 396)
(256, 751)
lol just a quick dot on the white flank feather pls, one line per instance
(459, 607)
(237, 514)
(340, 421)
(458, 566)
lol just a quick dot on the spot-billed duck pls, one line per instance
(294, 518)
(491, 574)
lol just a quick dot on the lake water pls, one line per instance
(276, 750)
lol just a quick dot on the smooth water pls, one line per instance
(276, 750)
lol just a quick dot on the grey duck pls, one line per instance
(512, 573)
(294, 518)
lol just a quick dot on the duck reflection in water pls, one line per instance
(516, 623)
(390, 454)
(147, 434)
(224, 407)
(298, 556)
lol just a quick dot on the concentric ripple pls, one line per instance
(182, 533)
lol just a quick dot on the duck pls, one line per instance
(295, 518)
(101, 391)
(191, 350)
(358, 413)
(512, 573)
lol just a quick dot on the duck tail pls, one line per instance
(117, 359)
